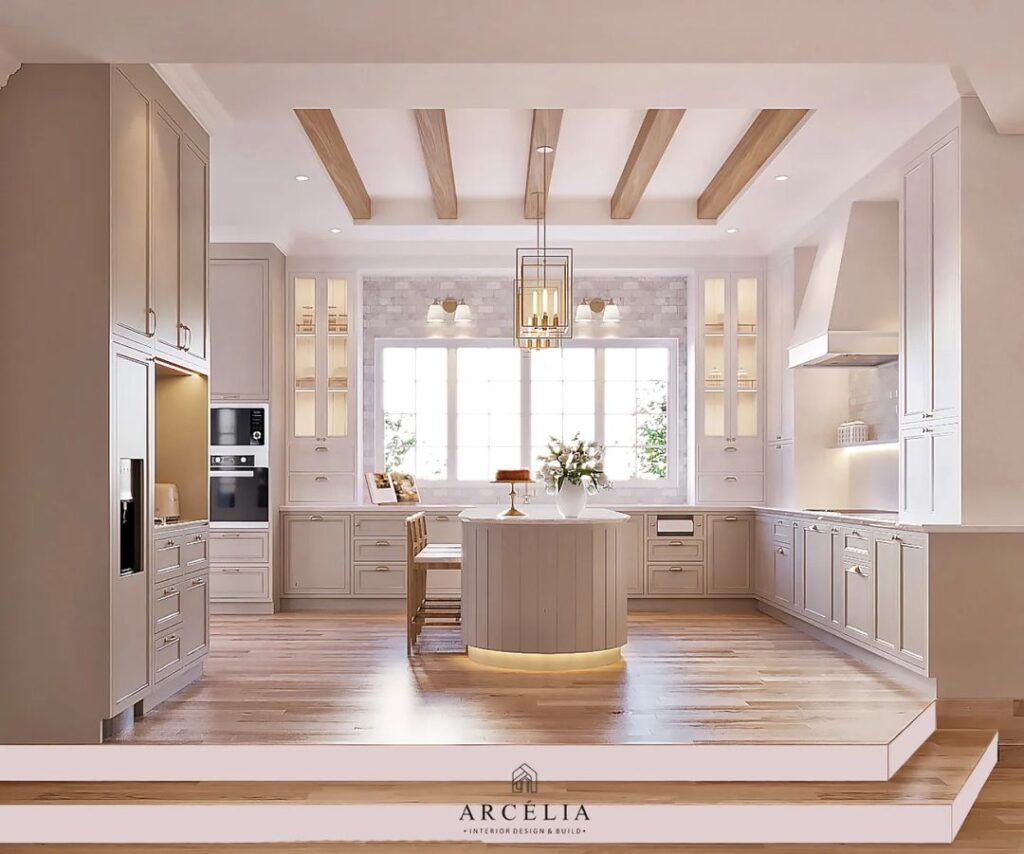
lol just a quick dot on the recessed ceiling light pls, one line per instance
(731, 230)
(335, 231)
(782, 177)
(545, 149)
(302, 177)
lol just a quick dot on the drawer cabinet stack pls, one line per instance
(378, 554)
(240, 566)
(675, 565)
(180, 612)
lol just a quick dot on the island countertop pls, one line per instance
(540, 514)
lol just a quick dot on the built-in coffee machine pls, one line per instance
(239, 466)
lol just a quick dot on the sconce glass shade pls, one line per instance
(583, 313)
(435, 314)
(611, 312)
(463, 314)
(543, 297)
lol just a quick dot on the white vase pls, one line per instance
(571, 500)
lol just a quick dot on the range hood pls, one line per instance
(848, 316)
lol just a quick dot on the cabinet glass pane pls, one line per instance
(337, 357)
(747, 379)
(304, 392)
(714, 357)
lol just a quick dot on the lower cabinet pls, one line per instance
(782, 570)
(730, 560)
(195, 618)
(317, 554)
(764, 562)
(859, 600)
(630, 539)
(815, 574)
(901, 589)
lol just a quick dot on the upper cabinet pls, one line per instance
(322, 411)
(159, 218)
(728, 396)
(240, 329)
(930, 300)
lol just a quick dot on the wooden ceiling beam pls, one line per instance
(652, 139)
(765, 136)
(437, 157)
(546, 126)
(323, 133)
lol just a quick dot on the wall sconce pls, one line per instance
(599, 309)
(441, 310)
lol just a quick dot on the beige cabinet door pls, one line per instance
(317, 555)
(945, 296)
(914, 602)
(838, 579)
(195, 238)
(916, 292)
(945, 473)
(240, 329)
(165, 263)
(630, 545)
(195, 617)
(859, 601)
(782, 558)
(129, 215)
(764, 571)
(730, 554)
(816, 572)
(888, 586)
(916, 473)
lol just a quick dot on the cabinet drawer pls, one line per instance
(240, 583)
(444, 527)
(782, 531)
(677, 550)
(323, 488)
(382, 550)
(652, 524)
(310, 455)
(380, 525)
(743, 455)
(675, 579)
(167, 607)
(167, 559)
(734, 488)
(195, 551)
(384, 579)
(239, 547)
(166, 655)
(856, 549)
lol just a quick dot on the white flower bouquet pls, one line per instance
(577, 462)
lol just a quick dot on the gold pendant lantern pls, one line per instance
(543, 285)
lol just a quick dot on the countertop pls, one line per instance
(540, 514)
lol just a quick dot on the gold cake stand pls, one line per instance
(512, 511)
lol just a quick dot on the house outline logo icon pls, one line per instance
(524, 780)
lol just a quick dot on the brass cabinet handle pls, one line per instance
(169, 544)
(732, 518)
(321, 478)
(382, 569)
(320, 449)
(440, 518)
(198, 538)
(150, 316)
(169, 590)
(675, 569)
(316, 518)
(896, 538)
(198, 582)
(230, 536)
(730, 448)
(382, 543)
(170, 639)
(357, 524)
(730, 478)
(856, 570)
(676, 543)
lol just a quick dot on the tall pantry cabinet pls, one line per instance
(103, 265)
(961, 382)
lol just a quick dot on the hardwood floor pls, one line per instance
(686, 678)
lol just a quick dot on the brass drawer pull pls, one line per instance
(675, 569)
(320, 449)
(230, 536)
(316, 518)
(170, 639)
(856, 570)
(321, 478)
(440, 518)
(732, 518)
(730, 478)
(730, 448)
(169, 544)
(382, 543)
(382, 569)
(169, 590)
(198, 582)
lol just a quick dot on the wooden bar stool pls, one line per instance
(420, 556)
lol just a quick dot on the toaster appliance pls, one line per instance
(165, 500)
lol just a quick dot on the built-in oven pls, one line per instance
(240, 488)
(238, 426)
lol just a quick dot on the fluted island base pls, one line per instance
(540, 592)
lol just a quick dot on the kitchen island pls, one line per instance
(540, 592)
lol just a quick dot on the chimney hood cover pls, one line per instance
(848, 317)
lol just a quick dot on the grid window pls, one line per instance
(415, 411)
(489, 422)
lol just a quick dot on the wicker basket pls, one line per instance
(852, 433)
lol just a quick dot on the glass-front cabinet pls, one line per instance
(321, 405)
(729, 373)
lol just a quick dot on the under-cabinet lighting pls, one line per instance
(871, 446)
